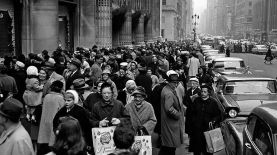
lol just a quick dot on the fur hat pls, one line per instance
(75, 95)
(32, 70)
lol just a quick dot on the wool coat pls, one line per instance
(202, 112)
(33, 94)
(16, 141)
(144, 116)
(172, 116)
(52, 103)
(102, 110)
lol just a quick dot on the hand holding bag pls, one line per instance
(214, 139)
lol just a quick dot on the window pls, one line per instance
(250, 3)
(262, 137)
(249, 12)
(163, 19)
(162, 33)
(164, 2)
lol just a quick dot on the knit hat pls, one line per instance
(32, 70)
(75, 95)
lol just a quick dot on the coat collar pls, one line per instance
(8, 133)
(104, 104)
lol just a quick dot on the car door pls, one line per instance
(258, 137)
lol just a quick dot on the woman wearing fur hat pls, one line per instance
(72, 108)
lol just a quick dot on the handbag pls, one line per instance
(103, 142)
(214, 139)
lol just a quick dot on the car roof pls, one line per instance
(268, 112)
(243, 77)
(228, 59)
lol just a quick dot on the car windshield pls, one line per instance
(229, 64)
(250, 87)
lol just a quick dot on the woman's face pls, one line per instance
(107, 94)
(42, 75)
(133, 66)
(69, 101)
(138, 98)
(105, 77)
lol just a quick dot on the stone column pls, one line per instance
(139, 31)
(44, 26)
(126, 31)
(148, 34)
(104, 21)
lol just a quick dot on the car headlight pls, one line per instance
(232, 113)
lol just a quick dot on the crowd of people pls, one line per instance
(50, 102)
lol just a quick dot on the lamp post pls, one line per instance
(194, 17)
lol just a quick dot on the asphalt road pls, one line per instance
(257, 65)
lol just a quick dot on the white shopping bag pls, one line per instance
(103, 143)
(143, 145)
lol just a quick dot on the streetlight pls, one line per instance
(194, 17)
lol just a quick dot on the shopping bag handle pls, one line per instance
(211, 127)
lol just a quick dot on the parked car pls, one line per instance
(260, 133)
(259, 49)
(238, 95)
(210, 58)
(206, 47)
(211, 51)
(229, 65)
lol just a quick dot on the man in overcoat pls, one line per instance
(172, 115)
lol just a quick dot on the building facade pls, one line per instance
(174, 19)
(29, 26)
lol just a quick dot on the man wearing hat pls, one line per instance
(14, 140)
(80, 86)
(53, 76)
(193, 92)
(204, 110)
(172, 114)
(142, 113)
(74, 67)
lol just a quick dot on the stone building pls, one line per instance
(174, 19)
(30, 26)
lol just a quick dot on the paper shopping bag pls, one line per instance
(103, 143)
(143, 145)
(214, 140)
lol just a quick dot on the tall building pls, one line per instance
(189, 12)
(30, 26)
(173, 19)
(220, 17)
(243, 23)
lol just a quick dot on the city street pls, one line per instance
(257, 66)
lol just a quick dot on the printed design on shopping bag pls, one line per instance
(141, 145)
(104, 141)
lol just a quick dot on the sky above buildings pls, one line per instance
(199, 6)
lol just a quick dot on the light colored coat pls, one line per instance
(16, 141)
(172, 116)
(193, 65)
(144, 116)
(54, 77)
(52, 103)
